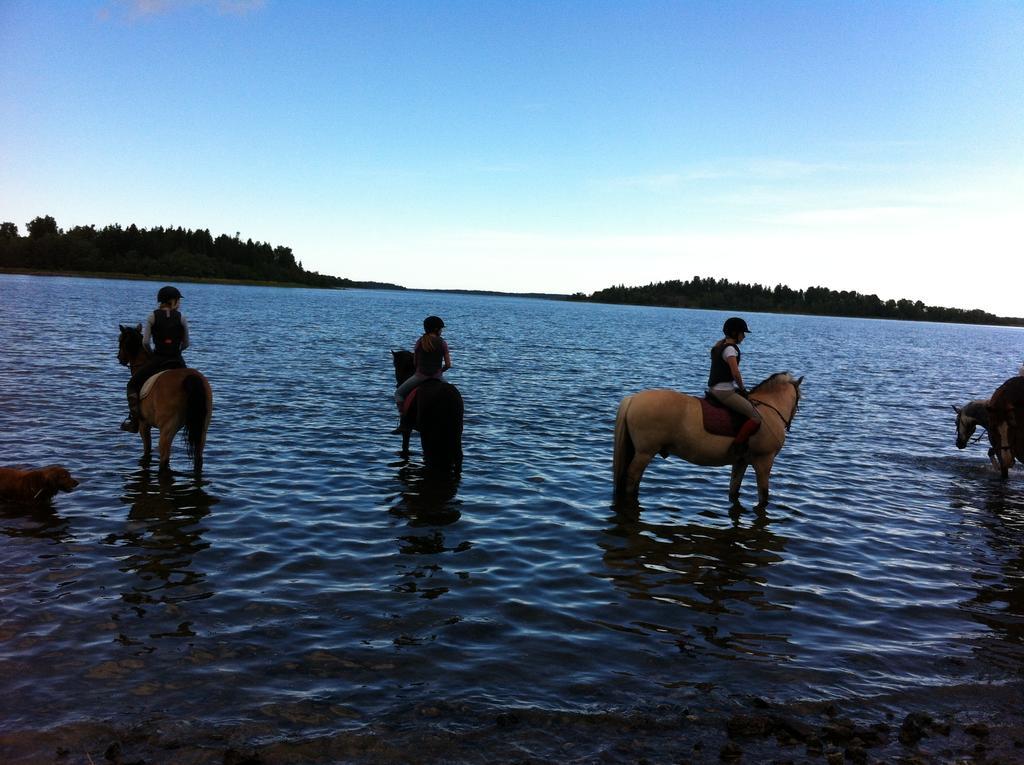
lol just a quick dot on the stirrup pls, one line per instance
(130, 425)
(400, 431)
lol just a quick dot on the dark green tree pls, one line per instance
(42, 226)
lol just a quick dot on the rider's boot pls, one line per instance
(131, 424)
(402, 428)
(739, 443)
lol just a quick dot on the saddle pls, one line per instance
(158, 369)
(410, 413)
(148, 385)
(409, 402)
(720, 420)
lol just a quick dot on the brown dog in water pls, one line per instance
(34, 485)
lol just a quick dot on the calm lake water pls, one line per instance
(316, 598)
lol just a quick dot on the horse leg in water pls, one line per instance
(762, 469)
(635, 472)
(738, 470)
(146, 432)
(166, 437)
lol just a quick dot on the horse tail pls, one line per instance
(624, 450)
(197, 413)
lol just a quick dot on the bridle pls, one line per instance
(788, 423)
(969, 439)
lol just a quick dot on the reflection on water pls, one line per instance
(162, 534)
(312, 583)
(427, 502)
(705, 570)
(997, 506)
(427, 498)
(41, 521)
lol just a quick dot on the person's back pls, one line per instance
(167, 328)
(432, 360)
(429, 354)
(165, 334)
(725, 382)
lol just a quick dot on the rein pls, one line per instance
(788, 423)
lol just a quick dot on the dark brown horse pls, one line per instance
(1006, 424)
(178, 399)
(437, 413)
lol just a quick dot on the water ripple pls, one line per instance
(314, 581)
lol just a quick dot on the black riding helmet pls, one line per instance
(432, 324)
(734, 326)
(167, 294)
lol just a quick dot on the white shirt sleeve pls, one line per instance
(730, 352)
(184, 338)
(147, 332)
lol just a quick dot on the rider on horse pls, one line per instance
(725, 383)
(167, 328)
(432, 361)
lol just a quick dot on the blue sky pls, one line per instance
(539, 146)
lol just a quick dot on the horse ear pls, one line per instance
(955, 408)
(138, 327)
(799, 381)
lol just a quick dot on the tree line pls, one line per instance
(155, 252)
(820, 301)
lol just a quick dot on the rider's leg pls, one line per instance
(131, 424)
(738, 403)
(403, 390)
(747, 429)
(134, 387)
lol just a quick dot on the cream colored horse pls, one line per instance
(668, 422)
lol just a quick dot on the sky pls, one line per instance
(539, 146)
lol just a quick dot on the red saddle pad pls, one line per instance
(409, 401)
(720, 420)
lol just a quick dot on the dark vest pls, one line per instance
(168, 332)
(430, 362)
(720, 371)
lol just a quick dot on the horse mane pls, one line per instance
(977, 409)
(405, 364)
(132, 339)
(774, 382)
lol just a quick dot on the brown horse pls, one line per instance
(179, 399)
(1006, 424)
(668, 422)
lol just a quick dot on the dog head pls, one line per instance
(46, 482)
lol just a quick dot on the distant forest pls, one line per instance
(820, 301)
(156, 252)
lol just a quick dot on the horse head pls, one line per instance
(968, 418)
(965, 427)
(405, 365)
(129, 344)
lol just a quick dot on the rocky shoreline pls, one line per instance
(753, 731)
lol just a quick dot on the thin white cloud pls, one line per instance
(759, 169)
(860, 216)
(140, 9)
